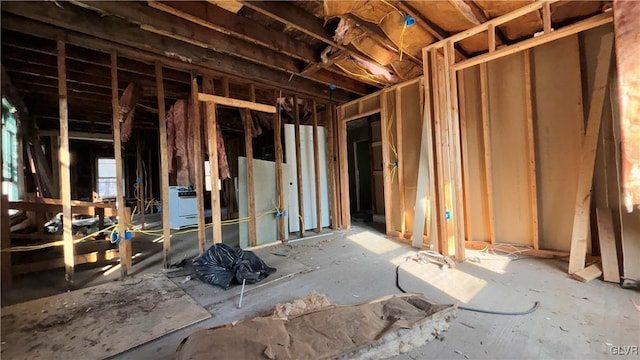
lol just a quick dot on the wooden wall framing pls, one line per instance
(496, 167)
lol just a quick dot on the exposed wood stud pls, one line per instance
(580, 233)
(486, 141)
(440, 207)
(316, 163)
(492, 38)
(329, 119)
(465, 154)
(546, 17)
(344, 174)
(225, 86)
(533, 193)
(296, 117)
(456, 158)
(5, 238)
(164, 166)
(400, 161)
(251, 194)
(65, 175)
(125, 245)
(198, 162)
(386, 160)
(580, 26)
(277, 134)
(212, 136)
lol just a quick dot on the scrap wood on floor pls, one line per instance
(312, 328)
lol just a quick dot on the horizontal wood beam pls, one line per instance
(595, 21)
(87, 29)
(219, 19)
(40, 45)
(79, 135)
(164, 24)
(221, 100)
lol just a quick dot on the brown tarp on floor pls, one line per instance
(327, 333)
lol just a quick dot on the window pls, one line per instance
(9, 151)
(106, 178)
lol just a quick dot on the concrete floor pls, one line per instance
(575, 320)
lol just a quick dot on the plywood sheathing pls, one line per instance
(559, 134)
(411, 126)
(475, 177)
(627, 32)
(510, 176)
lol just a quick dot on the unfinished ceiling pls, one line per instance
(328, 50)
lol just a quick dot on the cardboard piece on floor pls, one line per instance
(589, 273)
(97, 322)
(357, 331)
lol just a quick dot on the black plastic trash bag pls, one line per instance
(221, 264)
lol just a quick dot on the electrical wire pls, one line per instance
(534, 308)
(56, 243)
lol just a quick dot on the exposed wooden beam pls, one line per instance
(296, 118)
(108, 33)
(277, 138)
(198, 163)
(65, 174)
(580, 232)
(44, 46)
(300, 20)
(125, 245)
(164, 167)
(251, 193)
(167, 25)
(316, 165)
(221, 100)
(219, 19)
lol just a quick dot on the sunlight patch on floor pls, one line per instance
(455, 283)
(374, 242)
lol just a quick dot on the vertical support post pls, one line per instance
(124, 245)
(296, 117)
(344, 172)
(140, 180)
(198, 162)
(486, 143)
(65, 175)
(580, 232)
(546, 17)
(400, 162)
(386, 160)
(316, 163)
(164, 167)
(533, 194)
(332, 171)
(225, 86)
(492, 38)
(277, 138)
(336, 167)
(456, 156)
(212, 136)
(251, 192)
(440, 204)
(465, 155)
